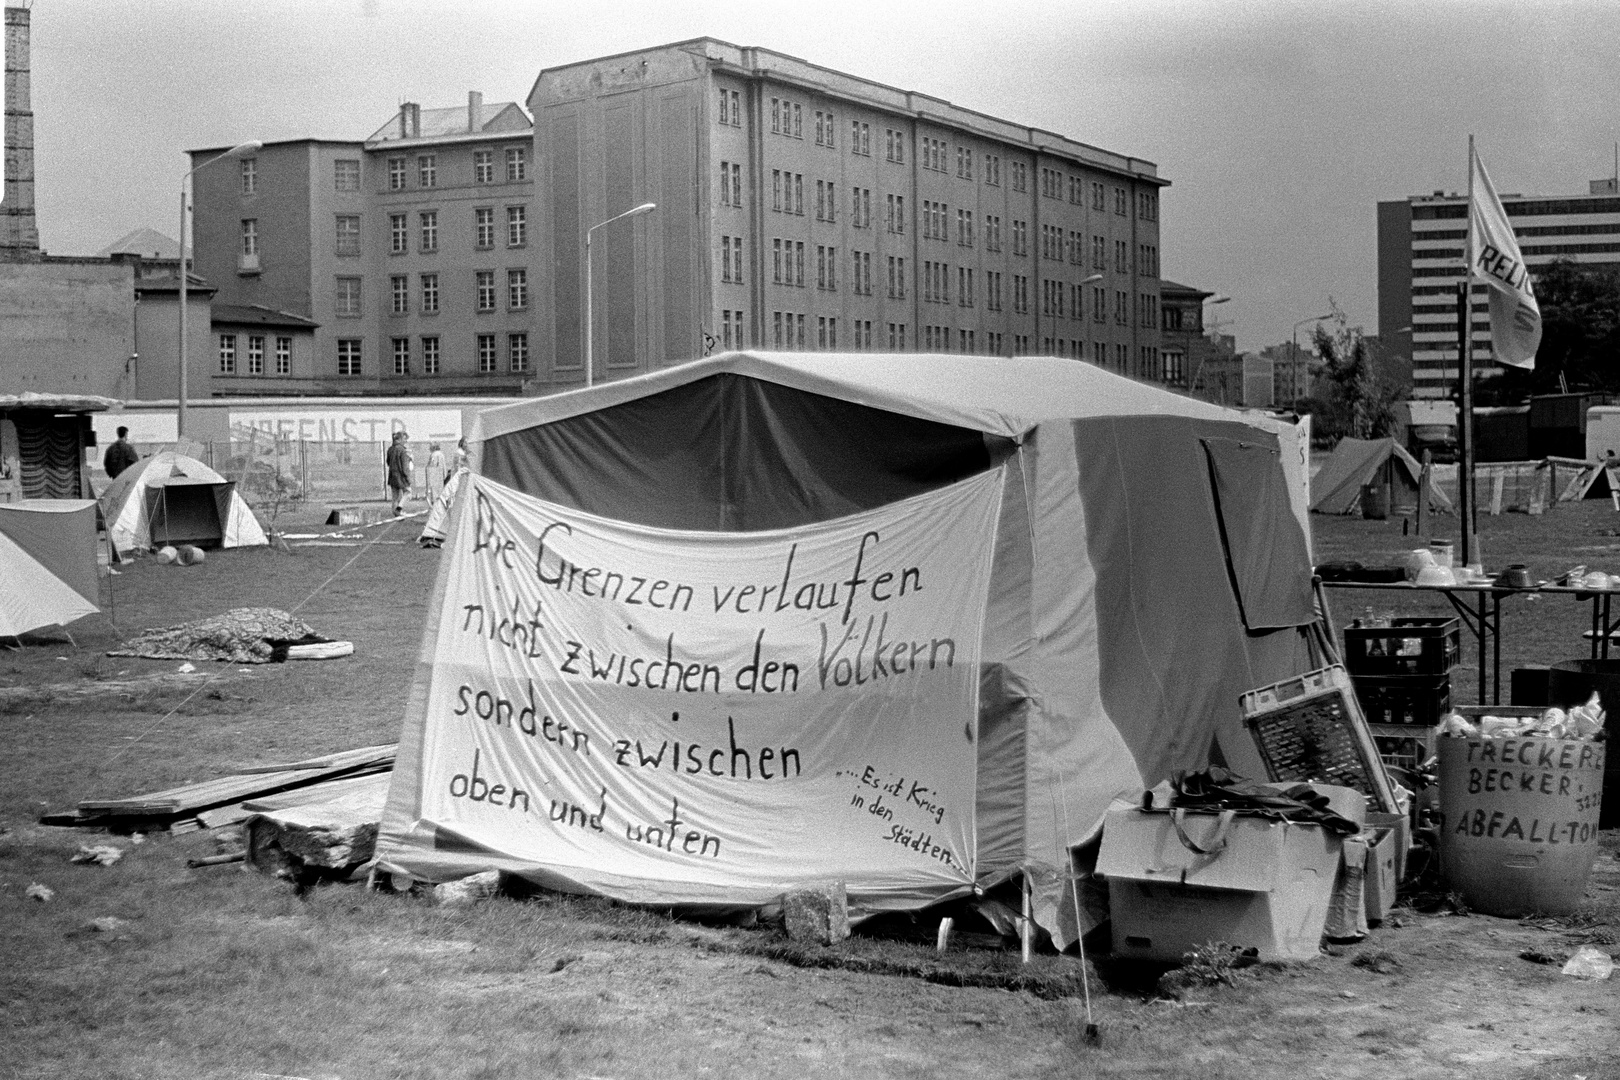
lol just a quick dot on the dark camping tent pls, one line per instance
(1355, 463)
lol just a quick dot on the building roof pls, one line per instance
(1171, 288)
(439, 125)
(259, 315)
(170, 283)
(62, 403)
(751, 62)
(147, 243)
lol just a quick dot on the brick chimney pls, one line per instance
(410, 120)
(19, 232)
(475, 110)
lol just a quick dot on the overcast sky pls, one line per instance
(1280, 124)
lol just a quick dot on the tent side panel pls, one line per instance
(63, 542)
(1076, 760)
(1266, 552)
(1176, 657)
(1004, 695)
(31, 596)
(399, 843)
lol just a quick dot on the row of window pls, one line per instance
(789, 330)
(348, 292)
(427, 358)
(253, 355)
(1054, 244)
(795, 330)
(346, 171)
(347, 230)
(788, 261)
(787, 196)
(787, 119)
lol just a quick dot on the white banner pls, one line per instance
(1515, 315)
(712, 717)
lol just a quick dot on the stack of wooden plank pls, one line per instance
(326, 832)
(222, 801)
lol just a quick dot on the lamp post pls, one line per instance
(590, 358)
(1198, 372)
(240, 150)
(1293, 356)
(1082, 282)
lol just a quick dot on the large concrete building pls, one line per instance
(398, 264)
(797, 208)
(1420, 262)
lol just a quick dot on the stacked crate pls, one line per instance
(1402, 677)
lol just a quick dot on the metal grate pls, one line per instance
(1309, 729)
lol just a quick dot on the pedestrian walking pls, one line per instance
(398, 468)
(436, 473)
(119, 456)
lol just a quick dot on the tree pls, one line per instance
(1352, 402)
(1580, 335)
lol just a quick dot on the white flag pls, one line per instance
(1515, 316)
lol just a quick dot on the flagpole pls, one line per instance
(1465, 377)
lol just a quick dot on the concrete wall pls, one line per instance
(155, 373)
(67, 326)
(281, 206)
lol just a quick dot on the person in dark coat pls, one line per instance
(119, 456)
(399, 467)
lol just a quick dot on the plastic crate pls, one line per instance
(1429, 645)
(1403, 746)
(1413, 700)
(1311, 728)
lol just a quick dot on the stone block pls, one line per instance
(817, 913)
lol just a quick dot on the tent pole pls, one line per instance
(1025, 927)
(1465, 377)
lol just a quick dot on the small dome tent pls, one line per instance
(170, 498)
(1148, 563)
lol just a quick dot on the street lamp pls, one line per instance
(240, 150)
(1081, 282)
(644, 208)
(1203, 354)
(1293, 384)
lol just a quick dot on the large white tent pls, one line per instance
(1147, 562)
(170, 498)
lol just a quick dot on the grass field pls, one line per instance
(217, 972)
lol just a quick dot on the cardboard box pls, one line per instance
(1267, 887)
(1388, 839)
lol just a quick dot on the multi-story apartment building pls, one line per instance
(797, 208)
(800, 208)
(400, 264)
(1420, 262)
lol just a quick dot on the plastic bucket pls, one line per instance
(1519, 821)
(1571, 682)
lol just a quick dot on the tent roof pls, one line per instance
(1003, 396)
(165, 467)
(83, 403)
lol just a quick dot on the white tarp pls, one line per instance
(693, 717)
